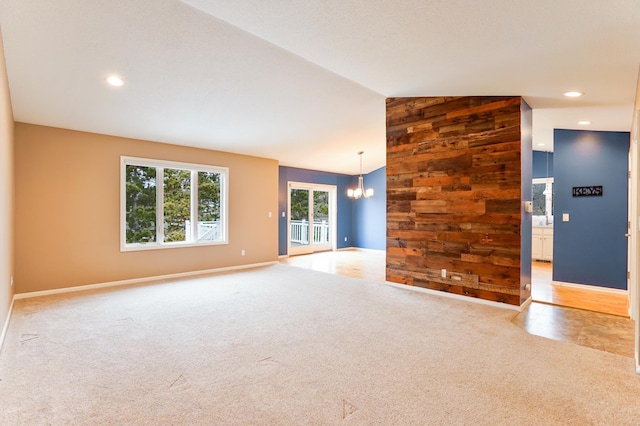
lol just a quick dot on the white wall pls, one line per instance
(634, 217)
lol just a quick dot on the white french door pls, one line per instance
(312, 218)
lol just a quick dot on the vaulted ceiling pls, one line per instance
(305, 82)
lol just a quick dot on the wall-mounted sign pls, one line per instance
(587, 191)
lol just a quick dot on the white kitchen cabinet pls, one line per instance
(542, 243)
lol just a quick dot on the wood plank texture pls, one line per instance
(454, 195)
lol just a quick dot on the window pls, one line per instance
(169, 204)
(543, 201)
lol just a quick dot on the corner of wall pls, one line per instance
(526, 131)
(6, 196)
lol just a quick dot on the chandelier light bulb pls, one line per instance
(360, 191)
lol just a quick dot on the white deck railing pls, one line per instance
(299, 232)
(207, 230)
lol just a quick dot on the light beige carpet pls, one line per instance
(288, 346)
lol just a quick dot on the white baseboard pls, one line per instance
(590, 287)
(526, 304)
(340, 249)
(456, 296)
(360, 249)
(138, 280)
(6, 323)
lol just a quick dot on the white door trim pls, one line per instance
(634, 230)
(333, 216)
(634, 211)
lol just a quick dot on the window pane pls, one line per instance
(539, 199)
(174, 184)
(177, 204)
(299, 231)
(209, 224)
(321, 217)
(140, 204)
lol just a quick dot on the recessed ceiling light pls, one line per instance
(584, 122)
(573, 94)
(540, 144)
(114, 80)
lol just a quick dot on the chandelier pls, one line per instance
(360, 191)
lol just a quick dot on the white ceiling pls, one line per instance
(305, 82)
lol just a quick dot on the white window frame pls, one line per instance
(160, 165)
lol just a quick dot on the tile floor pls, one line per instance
(593, 319)
(595, 330)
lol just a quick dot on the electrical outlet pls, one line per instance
(242, 252)
(345, 239)
(11, 280)
(443, 273)
(270, 214)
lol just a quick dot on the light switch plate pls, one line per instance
(565, 217)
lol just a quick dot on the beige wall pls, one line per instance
(67, 225)
(634, 244)
(6, 192)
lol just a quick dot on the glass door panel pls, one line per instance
(300, 218)
(312, 218)
(321, 222)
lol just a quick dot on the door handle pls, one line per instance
(627, 235)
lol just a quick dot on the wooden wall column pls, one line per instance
(455, 187)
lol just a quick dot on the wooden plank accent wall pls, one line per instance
(454, 196)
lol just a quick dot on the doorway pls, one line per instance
(312, 218)
(585, 243)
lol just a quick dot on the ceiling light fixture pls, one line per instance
(584, 122)
(573, 94)
(360, 191)
(114, 80)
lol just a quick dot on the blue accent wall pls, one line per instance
(369, 223)
(540, 164)
(287, 174)
(363, 222)
(591, 248)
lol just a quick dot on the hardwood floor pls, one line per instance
(611, 332)
(543, 289)
(367, 264)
